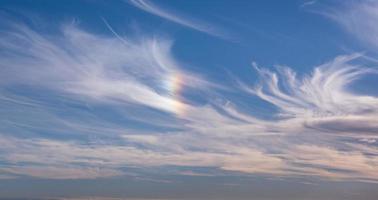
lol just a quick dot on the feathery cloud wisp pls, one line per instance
(324, 92)
(135, 71)
(150, 7)
(359, 18)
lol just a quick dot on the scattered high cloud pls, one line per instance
(321, 97)
(357, 17)
(81, 71)
(308, 3)
(138, 71)
(150, 7)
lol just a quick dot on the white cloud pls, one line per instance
(99, 67)
(308, 3)
(315, 112)
(359, 18)
(319, 160)
(150, 7)
(63, 160)
(323, 93)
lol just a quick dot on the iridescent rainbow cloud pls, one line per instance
(174, 85)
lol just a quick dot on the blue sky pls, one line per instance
(145, 99)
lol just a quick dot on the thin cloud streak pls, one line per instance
(358, 18)
(323, 93)
(133, 72)
(151, 8)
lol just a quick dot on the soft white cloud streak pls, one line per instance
(322, 99)
(357, 17)
(150, 7)
(104, 69)
(308, 3)
(323, 93)
(64, 158)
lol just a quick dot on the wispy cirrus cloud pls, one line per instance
(308, 3)
(154, 9)
(357, 17)
(138, 79)
(322, 94)
(323, 99)
(138, 71)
